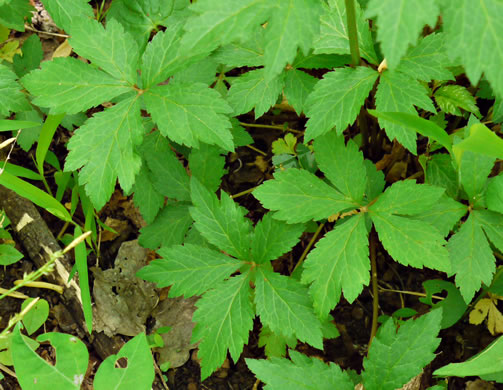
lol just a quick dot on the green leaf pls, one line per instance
(140, 17)
(253, 90)
(273, 238)
(248, 53)
(407, 198)
(400, 23)
(14, 12)
(334, 38)
(494, 194)
(375, 180)
(474, 36)
(168, 175)
(398, 92)
(45, 138)
(342, 165)
(215, 23)
(37, 315)
(285, 145)
(443, 214)
(450, 97)
(35, 373)
(481, 140)
(139, 372)
(189, 113)
(11, 98)
(36, 195)
(299, 196)
(169, 227)
(340, 262)
(473, 172)
(487, 362)
(414, 123)
(81, 266)
(298, 86)
(303, 373)
(222, 222)
(320, 61)
(397, 356)
(162, 56)
(32, 56)
(275, 344)
(148, 200)
(224, 318)
(453, 306)
(283, 305)
(111, 49)
(440, 172)
(411, 242)
(65, 16)
(471, 257)
(189, 270)
(104, 147)
(427, 61)
(492, 223)
(336, 100)
(9, 255)
(293, 24)
(67, 85)
(207, 164)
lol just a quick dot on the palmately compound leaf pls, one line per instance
(443, 214)
(293, 24)
(299, 196)
(162, 57)
(168, 228)
(207, 164)
(252, 90)
(148, 200)
(301, 373)
(397, 92)
(68, 371)
(397, 356)
(141, 17)
(428, 60)
(217, 23)
(189, 113)
(399, 23)
(408, 198)
(471, 256)
(412, 242)
(474, 35)
(342, 164)
(14, 12)
(224, 318)
(189, 269)
(336, 100)
(105, 148)
(340, 262)
(298, 86)
(71, 86)
(139, 372)
(111, 49)
(450, 98)
(334, 38)
(11, 98)
(166, 172)
(494, 194)
(492, 223)
(65, 16)
(221, 222)
(473, 172)
(283, 305)
(273, 238)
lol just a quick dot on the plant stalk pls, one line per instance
(352, 32)
(375, 291)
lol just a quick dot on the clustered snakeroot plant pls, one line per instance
(384, 85)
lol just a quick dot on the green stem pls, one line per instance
(352, 32)
(375, 291)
